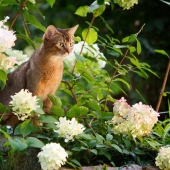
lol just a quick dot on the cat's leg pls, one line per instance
(47, 105)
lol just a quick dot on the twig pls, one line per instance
(91, 23)
(163, 87)
(76, 100)
(17, 14)
(107, 93)
(71, 89)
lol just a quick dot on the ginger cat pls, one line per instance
(43, 72)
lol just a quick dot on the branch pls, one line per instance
(91, 23)
(71, 89)
(17, 14)
(107, 93)
(163, 87)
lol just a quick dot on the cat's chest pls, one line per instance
(52, 72)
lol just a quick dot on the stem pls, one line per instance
(91, 23)
(71, 89)
(107, 93)
(17, 14)
(163, 87)
(76, 100)
(26, 27)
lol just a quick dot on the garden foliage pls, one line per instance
(81, 119)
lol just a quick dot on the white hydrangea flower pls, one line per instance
(6, 63)
(68, 129)
(90, 51)
(126, 4)
(163, 158)
(137, 120)
(7, 37)
(20, 57)
(52, 156)
(23, 103)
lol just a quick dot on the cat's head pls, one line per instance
(59, 42)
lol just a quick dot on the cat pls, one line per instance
(43, 72)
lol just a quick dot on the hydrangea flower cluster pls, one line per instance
(52, 156)
(126, 4)
(7, 37)
(137, 120)
(90, 51)
(23, 103)
(6, 62)
(9, 57)
(163, 158)
(68, 129)
(18, 55)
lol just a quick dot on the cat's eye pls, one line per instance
(61, 44)
(71, 44)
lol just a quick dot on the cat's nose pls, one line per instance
(68, 50)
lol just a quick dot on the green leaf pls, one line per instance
(127, 143)
(166, 130)
(77, 39)
(94, 151)
(117, 148)
(5, 134)
(153, 144)
(100, 10)
(34, 142)
(51, 2)
(47, 119)
(29, 41)
(75, 162)
(139, 49)
(106, 115)
(82, 11)
(57, 111)
(3, 76)
(87, 76)
(32, 20)
(99, 138)
(113, 53)
(2, 108)
(109, 137)
(40, 111)
(79, 57)
(77, 110)
(27, 127)
(130, 38)
(118, 50)
(17, 130)
(17, 144)
(55, 100)
(149, 70)
(123, 81)
(91, 37)
(85, 136)
(105, 153)
(100, 2)
(107, 25)
(162, 52)
(94, 105)
(132, 49)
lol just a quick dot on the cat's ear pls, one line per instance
(50, 31)
(73, 29)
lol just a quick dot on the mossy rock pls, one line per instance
(26, 160)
